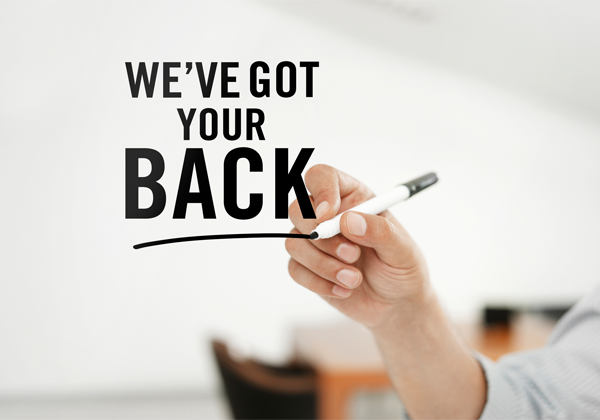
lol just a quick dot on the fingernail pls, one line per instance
(347, 277)
(348, 253)
(341, 292)
(356, 224)
(322, 209)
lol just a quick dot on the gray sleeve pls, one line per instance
(558, 381)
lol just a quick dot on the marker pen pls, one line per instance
(376, 204)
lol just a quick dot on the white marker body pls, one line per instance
(373, 206)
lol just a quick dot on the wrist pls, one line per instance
(407, 313)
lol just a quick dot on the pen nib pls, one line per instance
(314, 235)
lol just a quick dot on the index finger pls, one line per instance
(329, 186)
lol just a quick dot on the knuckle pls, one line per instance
(322, 191)
(291, 245)
(360, 195)
(318, 170)
(365, 192)
(293, 267)
(387, 231)
(330, 270)
(294, 210)
(330, 245)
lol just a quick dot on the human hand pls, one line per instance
(371, 268)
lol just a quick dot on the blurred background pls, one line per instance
(500, 98)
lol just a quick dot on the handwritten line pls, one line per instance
(223, 236)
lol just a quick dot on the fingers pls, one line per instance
(323, 182)
(323, 265)
(337, 246)
(331, 191)
(306, 278)
(390, 241)
(329, 187)
(303, 225)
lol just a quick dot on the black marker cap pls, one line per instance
(420, 183)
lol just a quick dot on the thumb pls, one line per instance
(391, 242)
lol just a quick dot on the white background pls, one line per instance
(500, 98)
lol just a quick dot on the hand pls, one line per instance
(371, 268)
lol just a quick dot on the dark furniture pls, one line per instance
(259, 391)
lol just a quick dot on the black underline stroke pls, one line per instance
(222, 236)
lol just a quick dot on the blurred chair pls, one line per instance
(258, 391)
(498, 316)
(503, 316)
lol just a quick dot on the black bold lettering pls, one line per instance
(230, 183)
(142, 74)
(186, 121)
(310, 65)
(168, 79)
(236, 122)
(133, 182)
(264, 83)
(213, 124)
(194, 159)
(206, 85)
(292, 79)
(285, 181)
(257, 125)
(226, 79)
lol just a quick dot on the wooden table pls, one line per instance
(347, 359)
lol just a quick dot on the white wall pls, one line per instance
(81, 312)
(547, 48)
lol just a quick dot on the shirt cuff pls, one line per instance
(502, 400)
